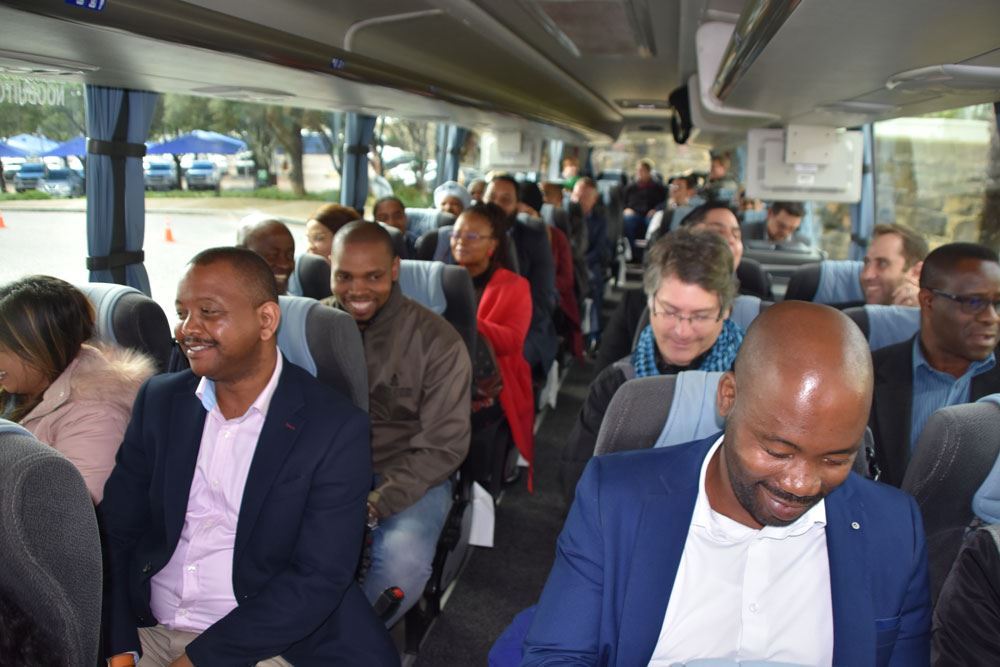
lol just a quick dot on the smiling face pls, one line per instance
(392, 213)
(885, 269)
(361, 277)
(685, 320)
(275, 244)
(221, 331)
(787, 448)
(722, 222)
(320, 239)
(452, 205)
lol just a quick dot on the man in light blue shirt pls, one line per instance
(951, 360)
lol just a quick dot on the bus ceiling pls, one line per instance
(581, 72)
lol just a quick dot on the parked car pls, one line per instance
(29, 176)
(203, 175)
(62, 183)
(160, 176)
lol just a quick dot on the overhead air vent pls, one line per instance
(28, 64)
(946, 78)
(643, 105)
(597, 27)
(243, 93)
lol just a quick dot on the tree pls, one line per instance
(416, 137)
(989, 229)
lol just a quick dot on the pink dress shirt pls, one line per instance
(195, 588)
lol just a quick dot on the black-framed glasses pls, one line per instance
(971, 304)
(674, 318)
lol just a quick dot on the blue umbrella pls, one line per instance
(199, 141)
(6, 150)
(31, 144)
(77, 146)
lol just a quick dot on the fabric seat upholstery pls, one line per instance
(127, 317)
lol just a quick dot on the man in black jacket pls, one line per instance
(950, 361)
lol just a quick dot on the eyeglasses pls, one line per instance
(971, 304)
(470, 237)
(674, 318)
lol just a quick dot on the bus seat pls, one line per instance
(50, 545)
(398, 240)
(127, 317)
(833, 282)
(955, 454)
(435, 245)
(326, 342)
(750, 217)
(636, 418)
(445, 290)
(885, 325)
(754, 280)
(313, 276)
(422, 220)
(421, 281)
(745, 309)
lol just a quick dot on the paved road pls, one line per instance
(55, 243)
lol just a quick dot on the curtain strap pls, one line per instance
(115, 260)
(115, 149)
(358, 149)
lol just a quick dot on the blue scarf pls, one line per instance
(720, 356)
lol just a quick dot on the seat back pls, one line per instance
(49, 545)
(885, 325)
(445, 290)
(422, 220)
(398, 240)
(952, 458)
(833, 282)
(313, 275)
(127, 317)
(326, 342)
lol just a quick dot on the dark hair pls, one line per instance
(792, 208)
(256, 276)
(532, 195)
(362, 231)
(699, 213)
(946, 259)
(335, 216)
(497, 220)
(690, 182)
(507, 178)
(43, 321)
(701, 258)
(384, 200)
(914, 245)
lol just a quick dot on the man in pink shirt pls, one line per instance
(235, 512)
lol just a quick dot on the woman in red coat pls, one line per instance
(478, 242)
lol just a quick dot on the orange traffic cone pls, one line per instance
(168, 235)
(2, 225)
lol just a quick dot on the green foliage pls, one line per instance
(27, 194)
(57, 123)
(261, 193)
(411, 195)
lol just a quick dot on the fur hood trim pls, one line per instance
(109, 373)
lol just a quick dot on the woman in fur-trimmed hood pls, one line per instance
(72, 395)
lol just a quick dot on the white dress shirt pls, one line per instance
(745, 594)
(195, 588)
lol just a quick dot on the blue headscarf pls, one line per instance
(720, 356)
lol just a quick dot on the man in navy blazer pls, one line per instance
(656, 563)
(280, 508)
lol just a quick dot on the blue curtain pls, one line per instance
(863, 213)
(117, 126)
(587, 164)
(441, 153)
(456, 140)
(358, 135)
(555, 159)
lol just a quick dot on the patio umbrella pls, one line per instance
(6, 150)
(77, 146)
(199, 141)
(32, 144)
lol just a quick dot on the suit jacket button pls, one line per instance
(147, 567)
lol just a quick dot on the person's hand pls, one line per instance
(628, 211)
(524, 208)
(183, 661)
(906, 294)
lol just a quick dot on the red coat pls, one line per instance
(562, 256)
(503, 318)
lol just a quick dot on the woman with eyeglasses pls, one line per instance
(71, 394)
(479, 243)
(690, 289)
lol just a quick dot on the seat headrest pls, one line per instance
(422, 220)
(313, 274)
(746, 308)
(888, 325)
(692, 414)
(421, 281)
(839, 282)
(986, 501)
(636, 415)
(125, 316)
(292, 340)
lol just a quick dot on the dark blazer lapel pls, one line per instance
(656, 555)
(850, 588)
(282, 426)
(182, 442)
(894, 406)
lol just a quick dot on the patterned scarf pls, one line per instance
(720, 356)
